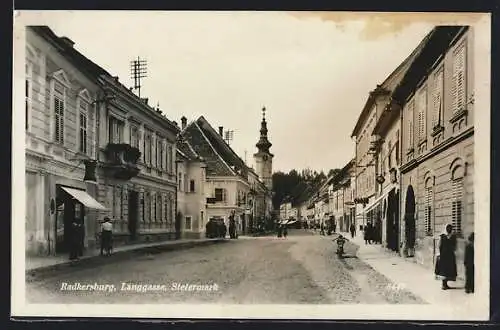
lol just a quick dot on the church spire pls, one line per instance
(263, 145)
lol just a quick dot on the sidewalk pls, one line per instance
(36, 265)
(409, 275)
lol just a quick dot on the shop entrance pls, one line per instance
(68, 210)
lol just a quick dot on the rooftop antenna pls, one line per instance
(228, 136)
(138, 70)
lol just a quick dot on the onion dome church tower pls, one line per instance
(263, 157)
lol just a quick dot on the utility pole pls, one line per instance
(138, 70)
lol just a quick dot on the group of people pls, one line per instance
(282, 230)
(446, 262)
(371, 234)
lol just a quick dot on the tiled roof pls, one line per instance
(196, 139)
(221, 146)
(186, 150)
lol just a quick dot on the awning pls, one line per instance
(84, 198)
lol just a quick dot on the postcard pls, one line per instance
(240, 164)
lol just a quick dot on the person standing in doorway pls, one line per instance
(469, 264)
(446, 264)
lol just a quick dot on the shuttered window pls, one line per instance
(428, 211)
(83, 127)
(188, 223)
(115, 130)
(147, 149)
(422, 110)
(411, 106)
(134, 137)
(220, 194)
(437, 98)
(59, 108)
(147, 207)
(171, 212)
(457, 205)
(158, 208)
(458, 88)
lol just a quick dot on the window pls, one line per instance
(134, 137)
(146, 207)
(411, 105)
(457, 205)
(186, 187)
(147, 149)
(158, 208)
(115, 130)
(428, 211)
(180, 182)
(159, 153)
(82, 141)
(188, 223)
(59, 107)
(458, 86)
(191, 185)
(220, 194)
(422, 109)
(167, 159)
(28, 97)
(171, 155)
(437, 98)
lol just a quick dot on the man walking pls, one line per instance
(352, 229)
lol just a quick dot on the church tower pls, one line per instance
(263, 158)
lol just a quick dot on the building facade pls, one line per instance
(438, 145)
(102, 150)
(58, 97)
(191, 195)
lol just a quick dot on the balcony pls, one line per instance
(121, 161)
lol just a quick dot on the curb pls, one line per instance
(97, 260)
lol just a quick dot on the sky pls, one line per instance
(311, 71)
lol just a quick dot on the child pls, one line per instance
(469, 264)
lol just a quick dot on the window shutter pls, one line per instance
(457, 205)
(410, 125)
(437, 98)
(458, 89)
(428, 211)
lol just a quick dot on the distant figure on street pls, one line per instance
(224, 230)
(352, 229)
(446, 263)
(334, 227)
(285, 231)
(279, 230)
(106, 236)
(368, 233)
(469, 264)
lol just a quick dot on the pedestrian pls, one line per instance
(352, 229)
(334, 226)
(469, 264)
(74, 242)
(285, 231)
(367, 234)
(446, 263)
(106, 236)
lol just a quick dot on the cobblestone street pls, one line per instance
(302, 269)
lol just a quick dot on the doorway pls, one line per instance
(410, 229)
(133, 213)
(392, 218)
(68, 210)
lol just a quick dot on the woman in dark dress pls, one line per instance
(446, 267)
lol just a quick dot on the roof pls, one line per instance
(436, 43)
(186, 150)
(90, 68)
(388, 85)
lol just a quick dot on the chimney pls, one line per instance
(221, 130)
(116, 78)
(145, 100)
(67, 41)
(175, 123)
(183, 122)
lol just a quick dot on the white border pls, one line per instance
(478, 309)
